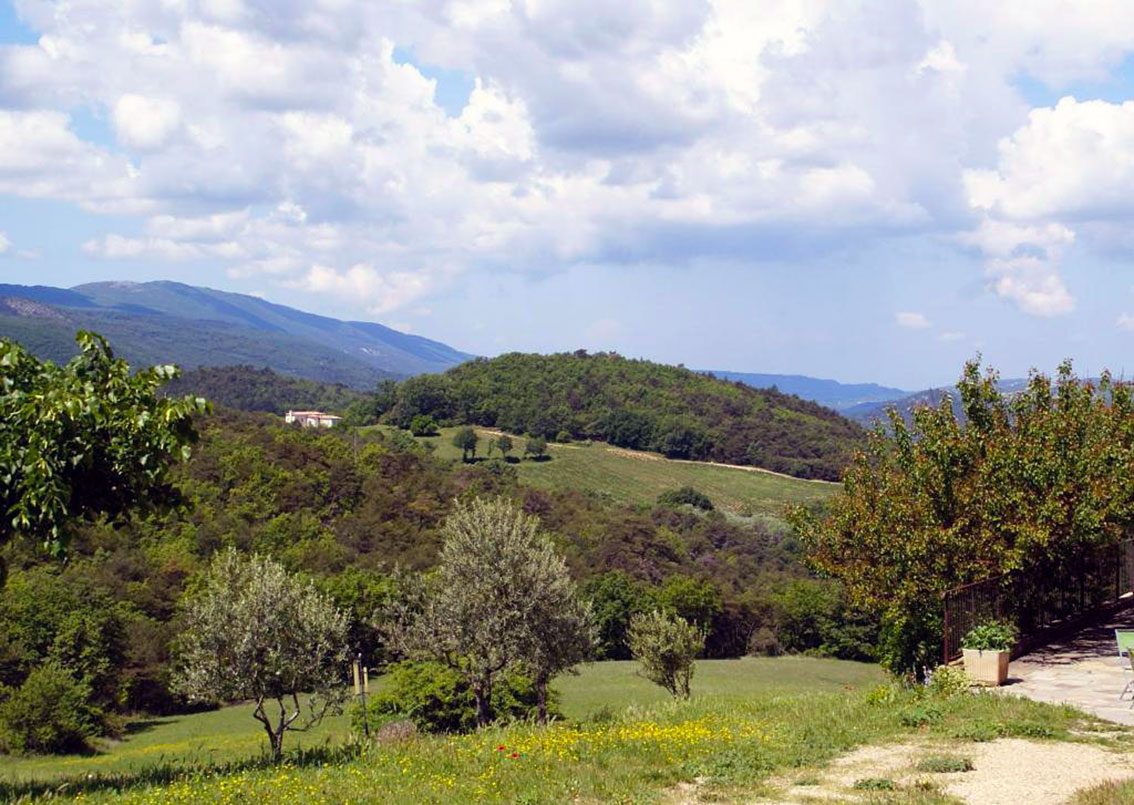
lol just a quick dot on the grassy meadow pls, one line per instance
(750, 723)
(638, 478)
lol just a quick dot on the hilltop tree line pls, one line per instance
(629, 403)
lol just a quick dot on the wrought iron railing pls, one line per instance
(1042, 597)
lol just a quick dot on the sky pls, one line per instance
(873, 190)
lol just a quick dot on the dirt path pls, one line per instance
(1005, 772)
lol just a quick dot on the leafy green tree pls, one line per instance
(51, 712)
(423, 425)
(615, 599)
(466, 439)
(488, 606)
(698, 601)
(85, 440)
(536, 448)
(667, 647)
(504, 444)
(254, 631)
(686, 496)
(1029, 481)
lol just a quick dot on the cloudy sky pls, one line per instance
(859, 190)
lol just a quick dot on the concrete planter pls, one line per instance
(986, 667)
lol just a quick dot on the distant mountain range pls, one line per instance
(867, 413)
(831, 393)
(170, 322)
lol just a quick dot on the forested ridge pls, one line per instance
(247, 388)
(635, 404)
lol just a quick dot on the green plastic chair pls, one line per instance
(1125, 641)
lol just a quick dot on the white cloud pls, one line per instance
(912, 321)
(951, 336)
(145, 123)
(291, 143)
(5, 243)
(1125, 322)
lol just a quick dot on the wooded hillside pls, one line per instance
(639, 405)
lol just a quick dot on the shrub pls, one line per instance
(685, 496)
(949, 681)
(990, 636)
(666, 646)
(50, 713)
(439, 699)
(944, 764)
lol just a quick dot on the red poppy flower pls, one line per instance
(501, 748)
(515, 754)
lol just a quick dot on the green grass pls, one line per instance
(231, 734)
(637, 478)
(748, 721)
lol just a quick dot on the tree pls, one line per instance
(491, 604)
(615, 599)
(698, 601)
(1032, 481)
(423, 425)
(253, 631)
(504, 444)
(536, 448)
(685, 496)
(466, 439)
(85, 440)
(559, 624)
(666, 646)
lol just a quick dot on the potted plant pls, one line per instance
(986, 649)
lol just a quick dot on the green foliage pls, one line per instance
(46, 617)
(615, 599)
(639, 405)
(697, 601)
(253, 631)
(686, 496)
(500, 600)
(994, 635)
(536, 448)
(504, 444)
(423, 425)
(246, 388)
(466, 440)
(1030, 482)
(666, 646)
(50, 713)
(815, 617)
(437, 698)
(85, 440)
(944, 764)
(948, 680)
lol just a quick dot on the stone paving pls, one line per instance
(1083, 670)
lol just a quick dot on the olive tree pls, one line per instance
(667, 646)
(85, 440)
(255, 632)
(500, 599)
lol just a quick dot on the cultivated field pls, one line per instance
(638, 478)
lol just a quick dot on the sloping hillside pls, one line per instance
(172, 322)
(639, 405)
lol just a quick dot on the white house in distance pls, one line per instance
(312, 419)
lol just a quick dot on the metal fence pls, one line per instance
(1043, 597)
